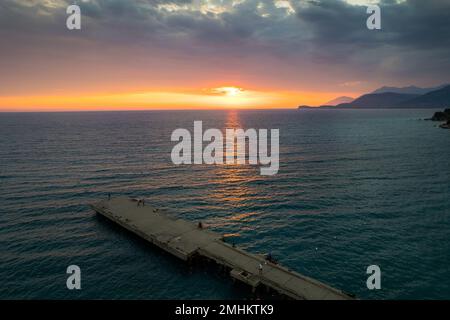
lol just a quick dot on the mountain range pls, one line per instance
(380, 100)
(434, 99)
(393, 97)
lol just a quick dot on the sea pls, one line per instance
(355, 188)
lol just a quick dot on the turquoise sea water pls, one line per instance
(355, 188)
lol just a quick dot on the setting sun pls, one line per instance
(228, 91)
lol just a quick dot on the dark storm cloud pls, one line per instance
(415, 24)
(415, 35)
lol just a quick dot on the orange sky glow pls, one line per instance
(223, 97)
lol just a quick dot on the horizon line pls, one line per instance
(146, 110)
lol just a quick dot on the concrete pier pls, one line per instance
(187, 240)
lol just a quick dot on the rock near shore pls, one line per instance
(445, 125)
(441, 115)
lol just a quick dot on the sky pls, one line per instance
(176, 54)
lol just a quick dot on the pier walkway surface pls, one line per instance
(186, 240)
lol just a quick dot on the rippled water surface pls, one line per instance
(355, 188)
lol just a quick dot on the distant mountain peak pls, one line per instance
(339, 100)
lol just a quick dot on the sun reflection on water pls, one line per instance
(234, 190)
